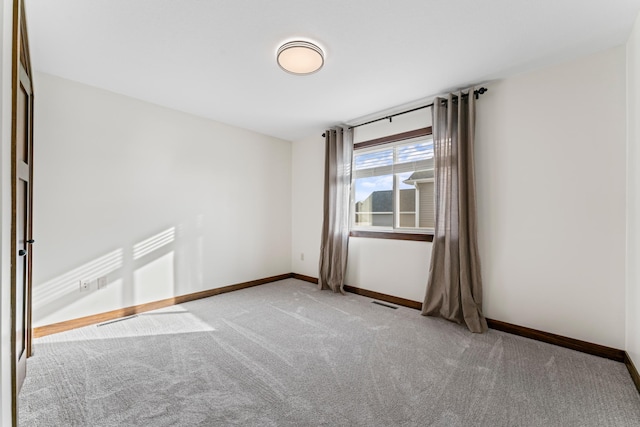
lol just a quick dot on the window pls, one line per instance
(393, 188)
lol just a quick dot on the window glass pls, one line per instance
(414, 152)
(393, 186)
(373, 159)
(374, 201)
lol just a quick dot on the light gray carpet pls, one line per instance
(286, 354)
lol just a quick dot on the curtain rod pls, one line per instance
(477, 94)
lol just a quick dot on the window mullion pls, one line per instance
(417, 207)
(352, 195)
(396, 202)
(396, 191)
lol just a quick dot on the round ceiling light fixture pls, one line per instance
(300, 57)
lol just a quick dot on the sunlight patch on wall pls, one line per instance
(154, 280)
(68, 282)
(153, 243)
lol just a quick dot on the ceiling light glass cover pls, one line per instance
(300, 57)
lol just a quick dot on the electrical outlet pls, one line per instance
(84, 285)
(102, 282)
(301, 256)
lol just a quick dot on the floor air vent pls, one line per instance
(384, 305)
(117, 320)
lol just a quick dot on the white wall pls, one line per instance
(5, 207)
(405, 122)
(161, 202)
(307, 197)
(393, 267)
(633, 195)
(551, 187)
(551, 198)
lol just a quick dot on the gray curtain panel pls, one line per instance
(454, 289)
(335, 226)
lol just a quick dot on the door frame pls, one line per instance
(20, 64)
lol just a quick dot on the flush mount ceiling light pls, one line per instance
(300, 57)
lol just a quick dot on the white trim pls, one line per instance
(399, 230)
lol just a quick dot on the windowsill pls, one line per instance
(394, 235)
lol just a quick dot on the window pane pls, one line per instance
(417, 202)
(393, 185)
(373, 159)
(426, 209)
(414, 152)
(374, 201)
(406, 201)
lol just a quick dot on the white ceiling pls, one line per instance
(216, 58)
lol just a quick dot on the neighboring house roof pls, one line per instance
(382, 201)
(420, 176)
